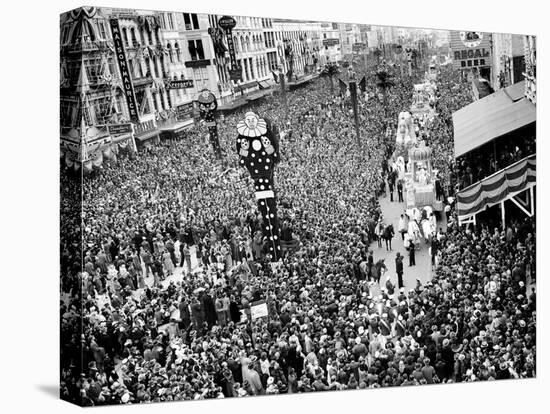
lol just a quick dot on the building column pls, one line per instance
(158, 101)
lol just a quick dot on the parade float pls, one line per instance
(423, 100)
(420, 179)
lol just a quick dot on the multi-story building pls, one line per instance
(92, 97)
(331, 50)
(530, 74)
(298, 45)
(349, 35)
(508, 59)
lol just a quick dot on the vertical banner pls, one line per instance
(227, 23)
(125, 76)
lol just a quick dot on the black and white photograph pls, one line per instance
(254, 206)
(274, 207)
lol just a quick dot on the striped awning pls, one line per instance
(498, 187)
(491, 117)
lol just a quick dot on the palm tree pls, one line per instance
(330, 70)
(377, 53)
(384, 81)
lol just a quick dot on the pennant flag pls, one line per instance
(363, 84)
(343, 86)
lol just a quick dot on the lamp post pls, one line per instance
(353, 96)
(282, 81)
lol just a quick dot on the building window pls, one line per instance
(191, 21)
(101, 28)
(200, 77)
(178, 55)
(196, 50)
(133, 36)
(102, 109)
(195, 20)
(170, 21)
(187, 21)
(65, 36)
(125, 36)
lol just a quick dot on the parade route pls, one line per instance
(422, 271)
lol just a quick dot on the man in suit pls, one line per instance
(400, 191)
(399, 269)
(412, 261)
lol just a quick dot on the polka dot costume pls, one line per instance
(258, 149)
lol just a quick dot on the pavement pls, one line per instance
(391, 212)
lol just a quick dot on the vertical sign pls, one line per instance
(126, 78)
(227, 23)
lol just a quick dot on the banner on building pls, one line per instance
(185, 111)
(471, 49)
(125, 76)
(118, 129)
(179, 84)
(330, 42)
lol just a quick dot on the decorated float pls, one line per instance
(423, 100)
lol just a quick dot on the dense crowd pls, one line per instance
(329, 327)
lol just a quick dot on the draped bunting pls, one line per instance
(496, 188)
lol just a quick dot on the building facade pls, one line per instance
(508, 59)
(530, 74)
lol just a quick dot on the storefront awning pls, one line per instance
(258, 94)
(177, 126)
(245, 86)
(266, 84)
(147, 135)
(491, 117)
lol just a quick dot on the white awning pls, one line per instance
(493, 116)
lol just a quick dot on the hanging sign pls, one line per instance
(127, 85)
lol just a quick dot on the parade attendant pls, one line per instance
(399, 269)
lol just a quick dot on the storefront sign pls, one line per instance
(358, 47)
(179, 84)
(200, 63)
(126, 79)
(330, 42)
(227, 23)
(185, 111)
(118, 129)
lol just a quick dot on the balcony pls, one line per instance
(145, 80)
(531, 88)
(87, 46)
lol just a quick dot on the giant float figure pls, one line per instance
(258, 148)
(207, 108)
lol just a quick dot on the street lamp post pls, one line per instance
(353, 96)
(283, 87)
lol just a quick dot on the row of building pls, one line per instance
(136, 74)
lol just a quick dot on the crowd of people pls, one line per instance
(131, 333)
